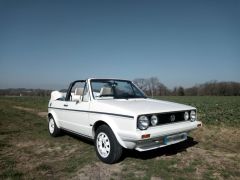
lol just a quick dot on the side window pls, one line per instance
(79, 92)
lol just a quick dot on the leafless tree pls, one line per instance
(152, 86)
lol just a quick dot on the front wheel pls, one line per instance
(106, 145)
(52, 128)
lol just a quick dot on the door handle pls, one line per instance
(65, 105)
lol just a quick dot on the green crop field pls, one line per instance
(28, 152)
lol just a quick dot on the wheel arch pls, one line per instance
(111, 126)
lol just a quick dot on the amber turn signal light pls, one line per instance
(145, 136)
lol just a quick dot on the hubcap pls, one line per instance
(51, 126)
(103, 145)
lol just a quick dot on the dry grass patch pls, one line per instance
(99, 170)
(31, 110)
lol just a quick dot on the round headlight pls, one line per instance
(186, 116)
(143, 122)
(154, 120)
(193, 115)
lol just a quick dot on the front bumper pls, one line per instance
(176, 131)
(145, 145)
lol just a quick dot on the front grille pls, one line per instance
(165, 118)
(168, 117)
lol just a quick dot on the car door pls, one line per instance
(76, 118)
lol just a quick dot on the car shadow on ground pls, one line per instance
(167, 150)
(78, 137)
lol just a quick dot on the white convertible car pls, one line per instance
(116, 115)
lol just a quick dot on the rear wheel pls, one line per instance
(106, 145)
(52, 127)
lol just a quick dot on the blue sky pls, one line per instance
(47, 44)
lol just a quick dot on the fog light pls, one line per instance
(193, 115)
(186, 116)
(154, 120)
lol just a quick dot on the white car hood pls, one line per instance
(134, 107)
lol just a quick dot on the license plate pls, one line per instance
(175, 138)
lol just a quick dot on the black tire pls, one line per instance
(52, 127)
(115, 149)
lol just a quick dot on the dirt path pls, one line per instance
(35, 111)
(99, 170)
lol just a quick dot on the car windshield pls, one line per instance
(118, 89)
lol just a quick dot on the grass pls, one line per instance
(28, 152)
(218, 110)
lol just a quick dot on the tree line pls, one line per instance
(25, 92)
(153, 87)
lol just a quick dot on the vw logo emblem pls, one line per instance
(172, 118)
